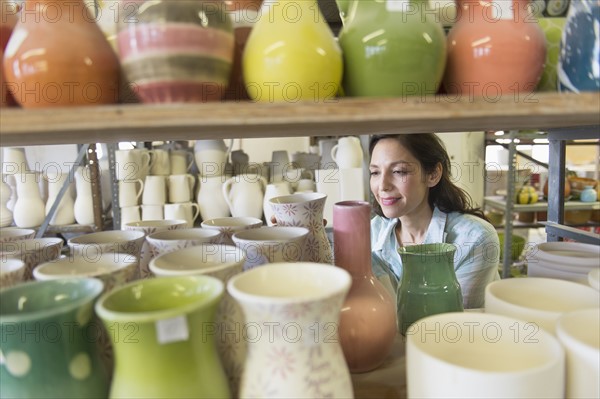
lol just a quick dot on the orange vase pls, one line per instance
(496, 48)
(368, 320)
(8, 19)
(58, 56)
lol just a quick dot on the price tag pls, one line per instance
(172, 330)
(397, 5)
(502, 9)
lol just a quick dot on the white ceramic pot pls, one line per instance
(29, 210)
(130, 192)
(83, 207)
(32, 252)
(180, 188)
(210, 197)
(244, 194)
(164, 242)
(155, 190)
(93, 245)
(11, 272)
(347, 153)
(65, 213)
(274, 190)
(6, 216)
(230, 225)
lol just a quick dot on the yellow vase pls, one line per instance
(291, 54)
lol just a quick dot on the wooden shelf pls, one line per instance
(345, 116)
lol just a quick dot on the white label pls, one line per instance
(397, 5)
(502, 9)
(172, 330)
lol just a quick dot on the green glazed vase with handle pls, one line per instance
(429, 285)
(391, 48)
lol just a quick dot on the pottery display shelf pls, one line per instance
(344, 116)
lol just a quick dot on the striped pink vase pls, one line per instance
(176, 51)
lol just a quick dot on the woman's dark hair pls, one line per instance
(430, 151)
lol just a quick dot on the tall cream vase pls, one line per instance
(291, 54)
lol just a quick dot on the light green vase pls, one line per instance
(391, 48)
(553, 28)
(163, 334)
(429, 285)
(48, 347)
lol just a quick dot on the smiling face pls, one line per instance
(397, 180)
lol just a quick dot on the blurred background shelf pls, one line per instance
(499, 203)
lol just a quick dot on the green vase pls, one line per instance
(391, 48)
(553, 28)
(48, 346)
(163, 333)
(429, 285)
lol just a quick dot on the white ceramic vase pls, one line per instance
(6, 216)
(65, 213)
(244, 194)
(29, 210)
(83, 207)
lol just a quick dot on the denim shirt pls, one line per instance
(475, 260)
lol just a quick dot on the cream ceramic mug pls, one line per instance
(181, 161)
(132, 164)
(155, 190)
(181, 188)
(130, 192)
(153, 212)
(187, 211)
(130, 214)
(161, 164)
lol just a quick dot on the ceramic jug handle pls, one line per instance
(146, 161)
(196, 212)
(334, 152)
(191, 157)
(226, 189)
(141, 190)
(152, 158)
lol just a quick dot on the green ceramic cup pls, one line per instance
(163, 334)
(48, 341)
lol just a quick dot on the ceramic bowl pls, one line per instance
(172, 240)
(594, 278)
(271, 244)
(517, 246)
(563, 260)
(230, 225)
(94, 244)
(113, 269)
(201, 259)
(32, 252)
(537, 300)
(14, 234)
(579, 332)
(478, 355)
(11, 272)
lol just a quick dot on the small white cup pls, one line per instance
(155, 190)
(187, 211)
(132, 164)
(181, 188)
(181, 161)
(130, 214)
(161, 164)
(130, 192)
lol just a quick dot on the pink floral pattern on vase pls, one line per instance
(305, 210)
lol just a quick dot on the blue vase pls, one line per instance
(579, 63)
(588, 194)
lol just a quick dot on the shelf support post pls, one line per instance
(510, 200)
(556, 184)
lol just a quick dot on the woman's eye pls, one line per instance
(373, 173)
(401, 172)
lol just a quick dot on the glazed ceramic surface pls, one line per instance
(552, 28)
(15, 234)
(537, 300)
(94, 244)
(392, 48)
(368, 303)
(48, 347)
(305, 210)
(32, 252)
(271, 244)
(177, 51)
(579, 63)
(292, 312)
(30, 209)
(291, 54)
(244, 195)
(496, 48)
(229, 225)
(164, 242)
(429, 285)
(160, 330)
(477, 355)
(11, 271)
(58, 56)
(222, 262)
(579, 332)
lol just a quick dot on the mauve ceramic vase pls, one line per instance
(177, 51)
(57, 56)
(496, 48)
(368, 318)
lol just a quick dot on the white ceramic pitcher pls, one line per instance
(65, 213)
(84, 204)
(210, 197)
(347, 153)
(29, 210)
(274, 190)
(6, 216)
(244, 195)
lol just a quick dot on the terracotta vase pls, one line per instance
(496, 48)
(8, 19)
(57, 56)
(391, 48)
(177, 51)
(579, 63)
(244, 14)
(305, 210)
(291, 54)
(368, 319)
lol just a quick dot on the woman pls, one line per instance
(417, 203)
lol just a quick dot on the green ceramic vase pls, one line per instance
(553, 28)
(48, 345)
(391, 48)
(163, 334)
(429, 285)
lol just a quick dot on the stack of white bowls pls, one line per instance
(571, 261)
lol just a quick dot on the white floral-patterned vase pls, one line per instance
(291, 315)
(305, 210)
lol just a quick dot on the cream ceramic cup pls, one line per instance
(132, 164)
(539, 301)
(153, 212)
(187, 211)
(130, 214)
(94, 244)
(32, 252)
(479, 355)
(180, 188)
(130, 192)
(271, 244)
(172, 240)
(230, 225)
(579, 333)
(181, 161)
(155, 190)
(161, 165)
(15, 234)
(11, 272)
